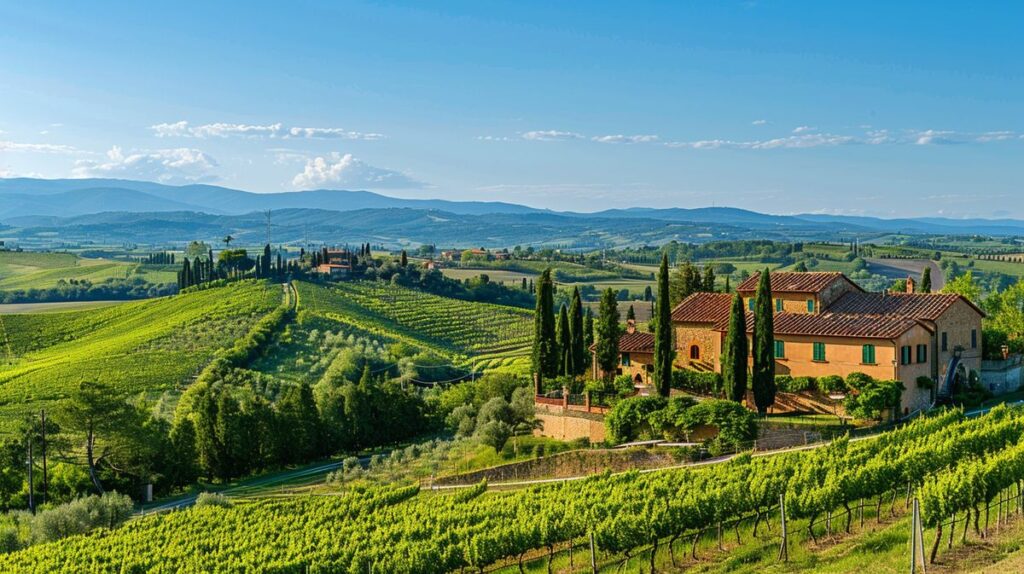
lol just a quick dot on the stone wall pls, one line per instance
(1003, 376)
(564, 424)
(707, 340)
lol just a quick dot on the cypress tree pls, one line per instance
(186, 274)
(545, 348)
(764, 346)
(664, 350)
(734, 352)
(608, 332)
(564, 338)
(709, 279)
(266, 261)
(727, 286)
(926, 279)
(404, 259)
(630, 314)
(588, 329)
(576, 334)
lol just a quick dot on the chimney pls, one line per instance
(910, 284)
(631, 326)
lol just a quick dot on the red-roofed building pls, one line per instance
(636, 358)
(827, 325)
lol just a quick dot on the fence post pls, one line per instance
(784, 547)
(917, 541)
(593, 554)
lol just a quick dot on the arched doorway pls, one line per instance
(694, 353)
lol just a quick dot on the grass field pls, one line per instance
(57, 307)
(35, 270)
(140, 347)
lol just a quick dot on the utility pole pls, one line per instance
(42, 417)
(31, 498)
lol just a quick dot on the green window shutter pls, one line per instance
(750, 304)
(780, 349)
(778, 305)
(945, 341)
(625, 359)
(810, 305)
(819, 351)
(922, 353)
(868, 355)
(974, 338)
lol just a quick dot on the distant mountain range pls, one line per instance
(105, 210)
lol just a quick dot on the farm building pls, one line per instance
(827, 325)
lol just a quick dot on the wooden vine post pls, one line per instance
(917, 541)
(784, 546)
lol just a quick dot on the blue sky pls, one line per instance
(782, 107)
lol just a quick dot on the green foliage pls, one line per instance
(734, 352)
(831, 384)
(629, 418)
(664, 346)
(577, 336)
(870, 398)
(763, 375)
(213, 499)
(788, 384)
(545, 346)
(964, 285)
(702, 382)
(394, 529)
(608, 333)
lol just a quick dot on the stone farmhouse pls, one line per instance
(825, 324)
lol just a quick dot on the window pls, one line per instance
(780, 349)
(750, 304)
(625, 359)
(867, 354)
(810, 305)
(974, 338)
(945, 341)
(905, 355)
(694, 352)
(778, 305)
(819, 352)
(922, 353)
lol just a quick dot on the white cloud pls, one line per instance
(626, 139)
(758, 122)
(276, 130)
(494, 138)
(789, 142)
(551, 135)
(179, 165)
(803, 129)
(38, 148)
(346, 170)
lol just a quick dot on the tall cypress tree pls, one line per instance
(404, 260)
(709, 279)
(734, 352)
(588, 329)
(608, 332)
(545, 348)
(576, 334)
(265, 261)
(926, 279)
(664, 350)
(564, 338)
(630, 314)
(764, 346)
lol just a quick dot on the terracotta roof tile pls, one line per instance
(838, 325)
(926, 306)
(636, 342)
(703, 308)
(795, 282)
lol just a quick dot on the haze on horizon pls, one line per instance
(783, 107)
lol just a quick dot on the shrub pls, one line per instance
(629, 419)
(697, 381)
(735, 423)
(873, 397)
(924, 382)
(81, 516)
(212, 499)
(831, 384)
(857, 381)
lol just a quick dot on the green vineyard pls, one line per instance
(448, 325)
(400, 529)
(146, 346)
